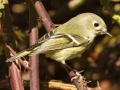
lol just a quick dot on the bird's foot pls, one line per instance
(76, 75)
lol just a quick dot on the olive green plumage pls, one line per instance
(69, 39)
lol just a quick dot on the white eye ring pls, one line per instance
(96, 25)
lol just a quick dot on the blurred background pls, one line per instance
(101, 62)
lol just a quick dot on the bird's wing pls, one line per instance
(58, 41)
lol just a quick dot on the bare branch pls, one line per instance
(33, 60)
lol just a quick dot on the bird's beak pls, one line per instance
(108, 34)
(105, 32)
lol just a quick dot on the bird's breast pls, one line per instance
(65, 54)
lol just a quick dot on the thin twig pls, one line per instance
(21, 62)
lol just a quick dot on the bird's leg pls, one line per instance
(66, 69)
(70, 69)
(66, 66)
(74, 74)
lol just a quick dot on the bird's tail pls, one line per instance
(18, 55)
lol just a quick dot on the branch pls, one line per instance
(43, 15)
(33, 60)
(21, 62)
(8, 36)
(78, 80)
(15, 78)
(58, 85)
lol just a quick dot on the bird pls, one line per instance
(68, 40)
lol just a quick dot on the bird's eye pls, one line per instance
(96, 24)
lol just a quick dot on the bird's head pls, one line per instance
(99, 25)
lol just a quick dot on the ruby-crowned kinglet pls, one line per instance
(68, 40)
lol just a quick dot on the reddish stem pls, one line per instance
(20, 60)
(43, 15)
(33, 60)
(15, 75)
